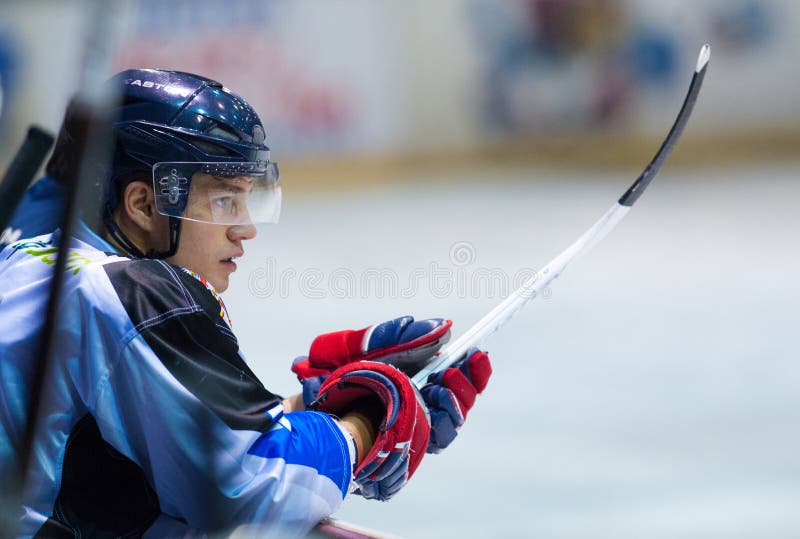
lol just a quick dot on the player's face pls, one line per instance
(216, 223)
(209, 250)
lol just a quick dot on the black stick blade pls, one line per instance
(21, 171)
(641, 183)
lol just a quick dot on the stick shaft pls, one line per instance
(501, 314)
(93, 116)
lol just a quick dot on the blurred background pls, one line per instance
(433, 154)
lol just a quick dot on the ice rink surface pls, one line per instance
(655, 393)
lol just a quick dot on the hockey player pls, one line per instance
(151, 422)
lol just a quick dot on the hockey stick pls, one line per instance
(501, 314)
(337, 529)
(21, 171)
(92, 120)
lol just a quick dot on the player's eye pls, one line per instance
(224, 203)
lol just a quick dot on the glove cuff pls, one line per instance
(386, 395)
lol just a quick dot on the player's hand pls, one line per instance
(402, 342)
(450, 394)
(391, 402)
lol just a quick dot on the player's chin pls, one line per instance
(221, 285)
(220, 280)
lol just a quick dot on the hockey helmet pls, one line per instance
(203, 146)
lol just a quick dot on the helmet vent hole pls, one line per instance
(208, 148)
(221, 132)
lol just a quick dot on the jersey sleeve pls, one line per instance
(214, 443)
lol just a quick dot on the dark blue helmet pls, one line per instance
(171, 116)
(175, 117)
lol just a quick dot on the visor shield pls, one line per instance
(218, 193)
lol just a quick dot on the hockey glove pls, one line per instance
(451, 393)
(389, 398)
(402, 342)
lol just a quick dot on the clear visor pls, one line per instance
(218, 193)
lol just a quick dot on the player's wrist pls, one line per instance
(363, 431)
(294, 404)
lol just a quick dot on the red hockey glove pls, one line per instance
(387, 396)
(451, 393)
(402, 342)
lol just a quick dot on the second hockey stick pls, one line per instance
(21, 171)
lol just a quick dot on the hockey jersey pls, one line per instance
(45, 200)
(151, 422)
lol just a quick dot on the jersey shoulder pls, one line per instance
(153, 290)
(179, 320)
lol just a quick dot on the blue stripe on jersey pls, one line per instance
(313, 440)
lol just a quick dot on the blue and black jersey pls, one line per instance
(152, 421)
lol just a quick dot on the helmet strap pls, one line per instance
(174, 240)
(131, 249)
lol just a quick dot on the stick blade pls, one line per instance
(703, 58)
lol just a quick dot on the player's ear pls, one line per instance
(139, 205)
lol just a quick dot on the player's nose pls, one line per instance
(242, 232)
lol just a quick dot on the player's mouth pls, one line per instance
(229, 263)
